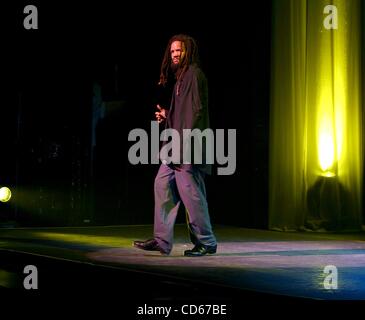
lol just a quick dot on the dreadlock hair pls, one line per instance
(191, 57)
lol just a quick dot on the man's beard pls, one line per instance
(175, 67)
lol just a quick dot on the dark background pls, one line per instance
(49, 74)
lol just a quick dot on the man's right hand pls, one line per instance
(160, 114)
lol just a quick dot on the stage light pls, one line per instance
(316, 116)
(326, 151)
(5, 194)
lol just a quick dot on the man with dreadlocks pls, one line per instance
(182, 182)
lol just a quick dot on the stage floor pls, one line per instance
(248, 260)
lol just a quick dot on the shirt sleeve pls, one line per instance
(200, 97)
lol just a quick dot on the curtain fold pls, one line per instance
(316, 154)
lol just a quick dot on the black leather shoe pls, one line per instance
(149, 245)
(200, 250)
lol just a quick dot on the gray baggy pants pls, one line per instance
(172, 186)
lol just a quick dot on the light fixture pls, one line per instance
(5, 194)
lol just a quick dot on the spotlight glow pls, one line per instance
(5, 194)
(326, 151)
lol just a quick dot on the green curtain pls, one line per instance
(316, 154)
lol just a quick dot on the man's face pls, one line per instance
(177, 51)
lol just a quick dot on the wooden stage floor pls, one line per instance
(257, 264)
